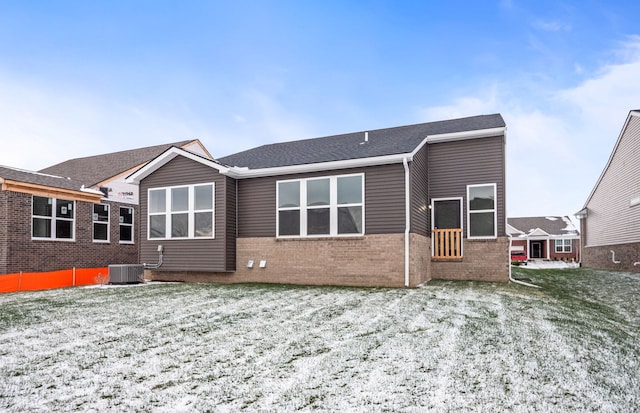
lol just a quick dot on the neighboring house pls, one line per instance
(547, 238)
(610, 218)
(387, 207)
(79, 213)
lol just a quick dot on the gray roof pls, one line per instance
(390, 141)
(552, 225)
(92, 170)
(38, 178)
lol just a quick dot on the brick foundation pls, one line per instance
(368, 261)
(484, 260)
(600, 257)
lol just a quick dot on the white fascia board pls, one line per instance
(472, 134)
(90, 190)
(242, 173)
(538, 233)
(510, 229)
(167, 156)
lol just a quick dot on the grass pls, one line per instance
(571, 345)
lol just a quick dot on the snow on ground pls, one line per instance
(540, 264)
(571, 345)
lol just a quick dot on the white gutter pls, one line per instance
(407, 218)
(511, 279)
(241, 172)
(472, 134)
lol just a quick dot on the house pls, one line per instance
(79, 213)
(610, 218)
(553, 238)
(387, 207)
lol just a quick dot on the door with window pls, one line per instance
(447, 228)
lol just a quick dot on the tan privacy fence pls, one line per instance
(32, 281)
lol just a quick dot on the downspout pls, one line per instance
(407, 217)
(511, 279)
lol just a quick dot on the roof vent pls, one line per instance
(366, 138)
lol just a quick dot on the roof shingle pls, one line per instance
(559, 226)
(92, 170)
(389, 141)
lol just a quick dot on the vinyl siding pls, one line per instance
(230, 185)
(419, 193)
(611, 219)
(191, 254)
(384, 200)
(454, 165)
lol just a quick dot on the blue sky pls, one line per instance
(79, 78)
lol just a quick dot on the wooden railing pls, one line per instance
(447, 244)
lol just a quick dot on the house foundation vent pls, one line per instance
(126, 273)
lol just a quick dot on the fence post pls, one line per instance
(74, 276)
(20, 281)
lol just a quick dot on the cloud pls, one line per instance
(604, 100)
(551, 26)
(44, 125)
(558, 141)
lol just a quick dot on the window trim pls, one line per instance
(120, 224)
(566, 242)
(107, 223)
(191, 211)
(333, 206)
(479, 211)
(52, 218)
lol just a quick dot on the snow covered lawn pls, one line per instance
(572, 345)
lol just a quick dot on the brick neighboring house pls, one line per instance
(610, 218)
(79, 213)
(388, 207)
(553, 238)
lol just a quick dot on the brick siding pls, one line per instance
(484, 260)
(25, 254)
(371, 260)
(600, 257)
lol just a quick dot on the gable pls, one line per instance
(613, 207)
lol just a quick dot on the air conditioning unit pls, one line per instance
(126, 273)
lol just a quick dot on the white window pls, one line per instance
(52, 218)
(100, 223)
(326, 206)
(181, 212)
(563, 245)
(126, 225)
(481, 211)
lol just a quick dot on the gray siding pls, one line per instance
(611, 219)
(419, 193)
(192, 254)
(454, 165)
(384, 200)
